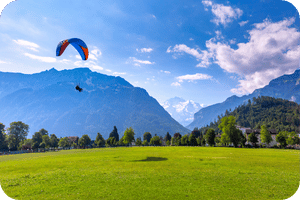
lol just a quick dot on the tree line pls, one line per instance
(15, 138)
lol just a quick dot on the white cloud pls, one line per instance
(65, 61)
(27, 44)
(233, 41)
(137, 62)
(223, 14)
(243, 23)
(166, 72)
(3, 62)
(97, 67)
(144, 50)
(41, 58)
(20, 25)
(176, 84)
(95, 53)
(207, 3)
(119, 73)
(199, 54)
(272, 50)
(293, 98)
(193, 77)
(89, 64)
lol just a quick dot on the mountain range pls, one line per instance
(49, 100)
(182, 110)
(285, 87)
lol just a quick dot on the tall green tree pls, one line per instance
(43, 132)
(46, 140)
(128, 136)
(37, 139)
(265, 135)
(111, 141)
(210, 137)
(155, 141)
(292, 138)
(147, 136)
(252, 138)
(243, 139)
(203, 142)
(115, 134)
(99, 140)
(3, 141)
(199, 141)
(121, 142)
(64, 142)
(84, 141)
(138, 142)
(176, 140)
(27, 144)
(217, 140)
(145, 143)
(53, 141)
(17, 132)
(192, 140)
(225, 140)
(281, 138)
(185, 140)
(228, 126)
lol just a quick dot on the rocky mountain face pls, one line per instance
(49, 100)
(285, 87)
(181, 110)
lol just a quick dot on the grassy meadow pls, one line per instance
(152, 173)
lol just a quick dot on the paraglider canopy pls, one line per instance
(78, 88)
(77, 43)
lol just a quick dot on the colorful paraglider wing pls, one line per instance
(78, 44)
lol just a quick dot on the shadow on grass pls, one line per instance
(151, 159)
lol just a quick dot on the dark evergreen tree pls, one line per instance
(114, 134)
(196, 132)
(177, 135)
(168, 137)
(147, 136)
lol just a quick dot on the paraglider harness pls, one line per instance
(78, 88)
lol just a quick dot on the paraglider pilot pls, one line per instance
(78, 88)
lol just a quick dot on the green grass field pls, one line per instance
(152, 173)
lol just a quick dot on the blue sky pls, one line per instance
(199, 50)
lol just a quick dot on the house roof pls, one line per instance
(257, 131)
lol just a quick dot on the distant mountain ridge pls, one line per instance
(285, 87)
(49, 100)
(181, 110)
